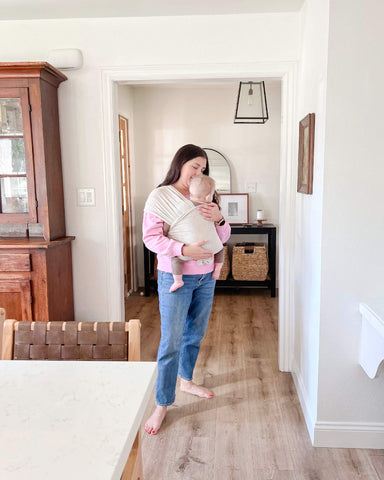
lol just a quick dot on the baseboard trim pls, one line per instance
(304, 402)
(349, 435)
(337, 434)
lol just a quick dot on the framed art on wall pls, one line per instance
(306, 149)
(234, 207)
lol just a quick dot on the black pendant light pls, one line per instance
(251, 104)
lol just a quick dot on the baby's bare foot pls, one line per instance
(155, 420)
(193, 389)
(175, 286)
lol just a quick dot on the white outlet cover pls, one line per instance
(251, 187)
(86, 197)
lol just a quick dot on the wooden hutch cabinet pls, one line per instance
(35, 253)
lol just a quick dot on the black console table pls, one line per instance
(270, 282)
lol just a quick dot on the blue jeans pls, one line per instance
(184, 320)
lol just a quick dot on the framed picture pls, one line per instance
(234, 207)
(306, 146)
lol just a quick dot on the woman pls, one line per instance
(184, 312)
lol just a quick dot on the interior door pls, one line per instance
(126, 207)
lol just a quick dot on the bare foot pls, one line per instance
(175, 286)
(155, 420)
(193, 389)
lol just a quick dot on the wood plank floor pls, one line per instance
(253, 429)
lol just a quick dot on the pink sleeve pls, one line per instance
(154, 238)
(224, 232)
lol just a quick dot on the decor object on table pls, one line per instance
(306, 149)
(249, 261)
(251, 106)
(259, 221)
(235, 208)
(260, 218)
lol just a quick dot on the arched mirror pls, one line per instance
(219, 170)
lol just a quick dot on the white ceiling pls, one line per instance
(44, 9)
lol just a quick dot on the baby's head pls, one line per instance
(202, 188)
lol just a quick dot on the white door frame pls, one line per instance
(137, 74)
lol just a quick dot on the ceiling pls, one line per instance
(49, 9)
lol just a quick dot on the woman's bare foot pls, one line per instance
(155, 420)
(190, 387)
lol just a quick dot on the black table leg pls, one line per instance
(272, 260)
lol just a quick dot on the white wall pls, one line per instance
(167, 117)
(353, 222)
(124, 42)
(339, 259)
(311, 99)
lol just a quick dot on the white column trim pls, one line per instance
(112, 201)
(135, 74)
(287, 221)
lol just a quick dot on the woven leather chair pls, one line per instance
(111, 341)
(71, 340)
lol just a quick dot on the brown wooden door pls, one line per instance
(126, 207)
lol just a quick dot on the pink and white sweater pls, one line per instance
(156, 241)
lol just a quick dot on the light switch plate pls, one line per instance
(86, 197)
(250, 187)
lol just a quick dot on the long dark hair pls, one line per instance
(182, 156)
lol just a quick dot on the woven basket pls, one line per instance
(250, 261)
(226, 266)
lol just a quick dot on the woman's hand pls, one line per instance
(210, 212)
(196, 251)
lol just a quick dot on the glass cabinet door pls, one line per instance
(17, 185)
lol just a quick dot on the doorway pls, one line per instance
(157, 74)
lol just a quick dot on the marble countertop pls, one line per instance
(70, 420)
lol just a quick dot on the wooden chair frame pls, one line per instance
(11, 326)
(134, 467)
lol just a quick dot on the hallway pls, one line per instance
(253, 428)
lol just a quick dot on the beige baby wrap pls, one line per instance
(183, 217)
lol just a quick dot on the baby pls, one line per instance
(201, 190)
